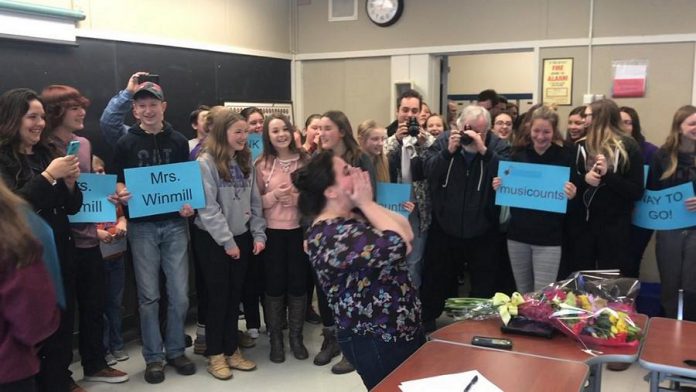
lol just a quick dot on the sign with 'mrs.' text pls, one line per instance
(393, 196)
(665, 209)
(532, 186)
(96, 207)
(164, 188)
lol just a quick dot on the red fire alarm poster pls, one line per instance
(629, 78)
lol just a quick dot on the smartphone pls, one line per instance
(73, 147)
(499, 343)
(154, 78)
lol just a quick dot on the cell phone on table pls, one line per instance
(73, 147)
(154, 78)
(499, 343)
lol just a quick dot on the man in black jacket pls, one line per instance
(460, 167)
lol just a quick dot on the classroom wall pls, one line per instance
(443, 22)
(358, 87)
(503, 72)
(259, 24)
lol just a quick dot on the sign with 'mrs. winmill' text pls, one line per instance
(164, 188)
(96, 207)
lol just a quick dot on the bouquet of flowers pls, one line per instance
(592, 306)
(598, 314)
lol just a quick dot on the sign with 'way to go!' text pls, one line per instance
(665, 209)
(393, 196)
(164, 188)
(96, 207)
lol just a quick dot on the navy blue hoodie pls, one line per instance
(138, 148)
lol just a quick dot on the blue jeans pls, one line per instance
(115, 271)
(155, 245)
(374, 358)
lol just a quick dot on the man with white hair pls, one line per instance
(460, 166)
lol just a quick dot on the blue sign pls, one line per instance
(532, 186)
(96, 207)
(255, 143)
(164, 188)
(393, 196)
(665, 209)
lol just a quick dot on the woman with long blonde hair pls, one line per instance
(232, 229)
(612, 166)
(371, 138)
(675, 164)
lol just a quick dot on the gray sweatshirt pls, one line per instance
(231, 208)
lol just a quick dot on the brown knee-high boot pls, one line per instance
(297, 308)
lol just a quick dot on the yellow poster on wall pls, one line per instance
(557, 82)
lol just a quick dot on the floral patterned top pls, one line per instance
(363, 274)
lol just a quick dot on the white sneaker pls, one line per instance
(253, 333)
(110, 359)
(120, 355)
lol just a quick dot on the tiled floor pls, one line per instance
(291, 376)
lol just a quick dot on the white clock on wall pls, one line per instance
(384, 13)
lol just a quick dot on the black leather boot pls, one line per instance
(329, 347)
(297, 308)
(275, 311)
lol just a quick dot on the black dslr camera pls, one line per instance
(413, 127)
(466, 139)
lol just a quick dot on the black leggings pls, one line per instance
(285, 263)
(224, 277)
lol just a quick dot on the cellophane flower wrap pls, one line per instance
(595, 307)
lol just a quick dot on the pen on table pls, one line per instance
(471, 383)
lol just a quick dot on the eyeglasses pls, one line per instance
(505, 123)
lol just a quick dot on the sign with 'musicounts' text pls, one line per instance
(532, 186)
(392, 196)
(164, 188)
(665, 209)
(96, 207)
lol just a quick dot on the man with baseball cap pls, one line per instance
(157, 242)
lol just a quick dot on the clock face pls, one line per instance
(384, 12)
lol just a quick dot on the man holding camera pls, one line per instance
(460, 167)
(404, 149)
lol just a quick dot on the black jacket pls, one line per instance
(618, 190)
(462, 193)
(52, 202)
(138, 148)
(536, 227)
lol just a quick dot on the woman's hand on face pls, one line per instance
(497, 182)
(570, 190)
(593, 178)
(690, 204)
(362, 188)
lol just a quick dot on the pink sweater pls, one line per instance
(270, 178)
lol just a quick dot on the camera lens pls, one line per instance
(466, 140)
(413, 127)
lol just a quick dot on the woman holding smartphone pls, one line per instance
(612, 167)
(47, 183)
